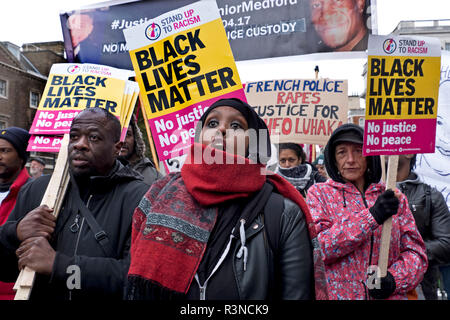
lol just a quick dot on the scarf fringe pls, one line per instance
(139, 288)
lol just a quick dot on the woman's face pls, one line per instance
(289, 159)
(351, 163)
(322, 170)
(225, 129)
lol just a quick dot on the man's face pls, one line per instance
(128, 145)
(92, 149)
(81, 26)
(337, 21)
(36, 167)
(404, 160)
(10, 162)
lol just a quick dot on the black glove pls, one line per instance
(385, 206)
(387, 287)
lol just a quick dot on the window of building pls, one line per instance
(34, 99)
(3, 88)
(447, 46)
(361, 122)
(3, 121)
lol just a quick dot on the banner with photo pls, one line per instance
(402, 95)
(300, 110)
(183, 63)
(255, 29)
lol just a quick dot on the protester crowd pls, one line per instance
(225, 227)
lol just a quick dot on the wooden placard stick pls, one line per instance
(53, 198)
(387, 225)
(383, 168)
(149, 134)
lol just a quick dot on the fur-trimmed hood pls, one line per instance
(139, 144)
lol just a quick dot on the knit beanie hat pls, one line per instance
(319, 160)
(258, 151)
(18, 137)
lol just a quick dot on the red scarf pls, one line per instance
(6, 289)
(10, 201)
(169, 260)
(211, 184)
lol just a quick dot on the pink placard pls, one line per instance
(123, 134)
(44, 143)
(392, 137)
(174, 133)
(49, 122)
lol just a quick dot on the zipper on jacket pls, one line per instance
(202, 292)
(364, 200)
(79, 235)
(74, 227)
(76, 245)
(218, 264)
(370, 252)
(371, 236)
(79, 232)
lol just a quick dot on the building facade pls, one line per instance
(21, 86)
(428, 28)
(23, 76)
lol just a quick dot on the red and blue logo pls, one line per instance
(153, 31)
(73, 69)
(389, 45)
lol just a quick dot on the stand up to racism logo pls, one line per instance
(153, 31)
(389, 46)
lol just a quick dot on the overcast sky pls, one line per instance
(23, 21)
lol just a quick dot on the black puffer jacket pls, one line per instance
(261, 280)
(143, 165)
(111, 200)
(433, 221)
(433, 225)
(147, 169)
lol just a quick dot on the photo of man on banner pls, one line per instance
(341, 25)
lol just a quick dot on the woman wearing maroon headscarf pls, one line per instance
(207, 233)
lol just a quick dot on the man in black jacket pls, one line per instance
(432, 219)
(84, 254)
(133, 150)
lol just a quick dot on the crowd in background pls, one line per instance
(224, 227)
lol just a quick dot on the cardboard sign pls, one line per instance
(70, 89)
(183, 63)
(300, 110)
(44, 143)
(402, 94)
